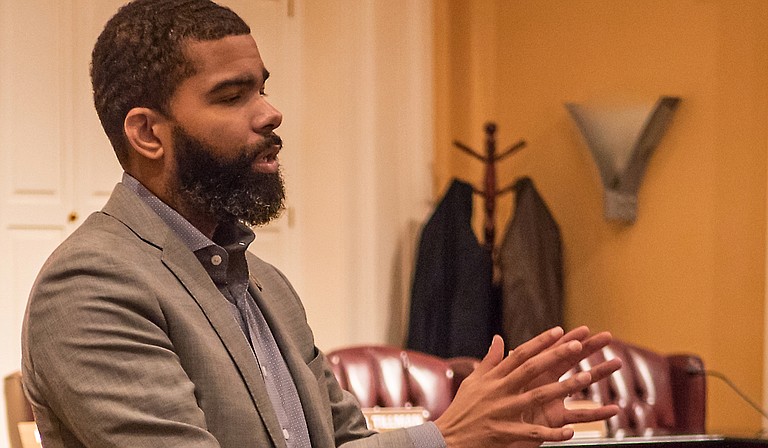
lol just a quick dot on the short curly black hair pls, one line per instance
(138, 59)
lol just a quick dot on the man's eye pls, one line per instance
(230, 99)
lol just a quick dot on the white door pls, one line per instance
(55, 164)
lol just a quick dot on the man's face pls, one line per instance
(224, 146)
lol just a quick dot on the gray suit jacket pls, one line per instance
(128, 343)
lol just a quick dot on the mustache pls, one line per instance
(248, 154)
(270, 141)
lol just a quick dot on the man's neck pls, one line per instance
(201, 220)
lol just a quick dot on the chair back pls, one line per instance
(386, 376)
(657, 394)
(17, 407)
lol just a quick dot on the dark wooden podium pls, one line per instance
(681, 441)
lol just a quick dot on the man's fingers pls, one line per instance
(528, 350)
(494, 356)
(590, 345)
(542, 364)
(590, 415)
(538, 433)
(596, 342)
(577, 334)
(559, 390)
(542, 395)
(605, 369)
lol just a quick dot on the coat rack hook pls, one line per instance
(489, 191)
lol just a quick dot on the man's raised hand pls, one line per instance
(517, 400)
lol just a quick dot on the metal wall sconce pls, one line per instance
(622, 140)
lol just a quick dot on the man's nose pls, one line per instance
(268, 117)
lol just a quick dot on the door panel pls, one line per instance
(34, 182)
(55, 164)
(35, 187)
(95, 166)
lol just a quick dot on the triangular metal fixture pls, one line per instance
(622, 140)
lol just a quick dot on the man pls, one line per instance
(151, 326)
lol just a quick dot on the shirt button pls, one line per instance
(216, 260)
(286, 434)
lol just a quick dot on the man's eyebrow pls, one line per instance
(240, 81)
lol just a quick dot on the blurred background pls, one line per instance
(373, 93)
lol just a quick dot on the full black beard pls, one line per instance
(227, 189)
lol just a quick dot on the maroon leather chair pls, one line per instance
(656, 394)
(387, 376)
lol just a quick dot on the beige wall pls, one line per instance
(365, 150)
(689, 275)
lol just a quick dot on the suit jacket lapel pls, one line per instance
(306, 383)
(214, 305)
(130, 210)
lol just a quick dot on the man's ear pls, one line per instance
(146, 131)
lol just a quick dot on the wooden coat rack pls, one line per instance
(490, 192)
